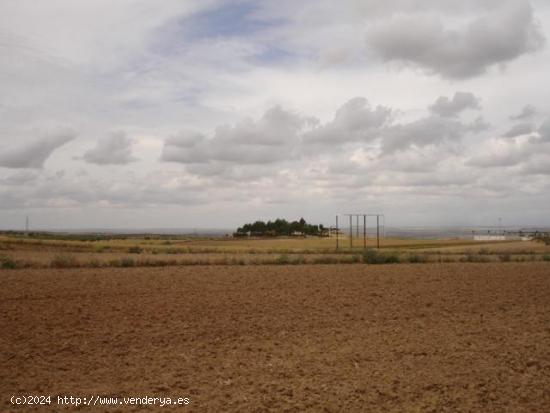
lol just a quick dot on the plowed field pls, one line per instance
(393, 338)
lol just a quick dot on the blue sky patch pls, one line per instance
(233, 20)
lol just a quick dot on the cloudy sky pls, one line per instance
(138, 113)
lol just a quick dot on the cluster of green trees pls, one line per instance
(279, 227)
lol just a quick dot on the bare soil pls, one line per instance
(351, 338)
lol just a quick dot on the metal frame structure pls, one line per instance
(357, 216)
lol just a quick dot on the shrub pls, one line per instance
(417, 259)
(282, 259)
(355, 259)
(371, 256)
(505, 257)
(127, 262)
(172, 250)
(100, 248)
(5, 246)
(469, 257)
(546, 257)
(299, 259)
(94, 263)
(64, 261)
(325, 260)
(7, 263)
(484, 251)
(157, 262)
(525, 258)
(391, 259)
(237, 261)
(135, 250)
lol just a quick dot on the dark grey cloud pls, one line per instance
(518, 130)
(537, 166)
(34, 154)
(283, 137)
(278, 136)
(356, 120)
(185, 147)
(276, 127)
(388, 7)
(544, 131)
(461, 101)
(113, 150)
(509, 157)
(19, 178)
(432, 130)
(478, 125)
(234, 173)
(416, 160)
(54, 190)
(433, 179)
(423, 40)
(527, 112)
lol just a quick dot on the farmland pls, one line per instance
(437, 337)
(44, 252)
(261, 325)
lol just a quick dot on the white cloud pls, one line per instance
(278, 80)
(499, 153)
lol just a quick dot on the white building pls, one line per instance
(489, 237)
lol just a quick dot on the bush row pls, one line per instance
(370, 256)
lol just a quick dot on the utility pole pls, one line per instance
(357, 231)
(351, 232)
(364, 232)
(378, 231)
(337, 232)
(27, 225)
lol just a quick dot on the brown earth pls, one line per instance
(403, 338)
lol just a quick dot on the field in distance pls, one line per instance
(41, 250)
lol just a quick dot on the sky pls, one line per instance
(209, 114)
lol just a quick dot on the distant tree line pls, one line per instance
(279, 227)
